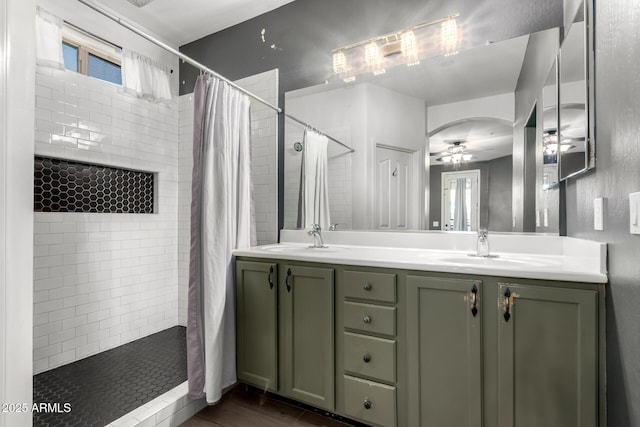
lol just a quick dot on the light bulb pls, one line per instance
(409, 48)
(449, 36)
(339, 62)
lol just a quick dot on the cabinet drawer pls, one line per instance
(372, 402)
(370, 318)
(371, 286)
(370, 356)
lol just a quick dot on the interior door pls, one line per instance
(394, 188)
(470, 202)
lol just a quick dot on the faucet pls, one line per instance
(316, 232)
(482, 246)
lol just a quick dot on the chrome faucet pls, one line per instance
(482, 246)
(316, 232)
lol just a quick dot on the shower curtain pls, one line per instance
(313, 203)
(460, 209)
(221, 221)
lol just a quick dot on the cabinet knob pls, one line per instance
(367, 404)
(366, 319)
(367, 286)
(366, 358)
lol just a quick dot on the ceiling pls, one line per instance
(179, 22)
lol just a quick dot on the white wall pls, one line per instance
(264, 169)
(17, 74)
(102, 280)
(498, 106)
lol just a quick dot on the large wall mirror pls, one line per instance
(436, 145)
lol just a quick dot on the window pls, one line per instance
(87, 55)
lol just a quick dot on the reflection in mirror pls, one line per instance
(419, 133)
(550, 132)
(574, 125)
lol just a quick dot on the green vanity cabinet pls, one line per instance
(548, 356)
(399, 348)
(257, 323)
(306, 334)
(444, 338)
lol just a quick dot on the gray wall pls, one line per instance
(306, 31)
(495, 192)
(616, 175)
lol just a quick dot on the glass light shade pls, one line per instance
(466, 157)
(449, 36)
(409, 48)
(339, 62)
(372, 56)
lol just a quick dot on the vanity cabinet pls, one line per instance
(306, 334)
(284, 332)
(392, 347)
(444, 338)
(527, 356)
(369, 351)
(257, 324)
(548, 356)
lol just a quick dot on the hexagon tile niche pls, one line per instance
(67, 186)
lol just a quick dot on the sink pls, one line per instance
(289, 247)
(492, 261)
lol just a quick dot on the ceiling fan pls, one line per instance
(456, 153)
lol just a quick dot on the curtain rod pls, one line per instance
(307, 125)
(176, 52)
(200, 66)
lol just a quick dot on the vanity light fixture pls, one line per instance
(404, 47)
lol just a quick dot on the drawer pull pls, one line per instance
(366, 358)
(366, 319)
(367, 404)
(367, 286)
(287, 281)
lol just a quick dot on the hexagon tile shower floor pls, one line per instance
(102, 388)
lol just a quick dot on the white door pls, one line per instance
(394, 191)
(468, 206)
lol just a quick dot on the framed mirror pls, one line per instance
(576, 146)
(431, 141)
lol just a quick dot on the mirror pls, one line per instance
(420, 134)
(550, 172)
(575, 147)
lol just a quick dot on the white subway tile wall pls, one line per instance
(102, 280)
(264, 167)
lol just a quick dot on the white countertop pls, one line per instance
(565, 260)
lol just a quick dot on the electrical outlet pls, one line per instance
(634, 213)
(598, 214)
(436, 224)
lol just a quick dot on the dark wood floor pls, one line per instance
(244, 406)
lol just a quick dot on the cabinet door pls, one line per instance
(548, 372)
(307, 329)
(256, 324)
(444, 349)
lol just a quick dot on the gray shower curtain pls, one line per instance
(221, 221)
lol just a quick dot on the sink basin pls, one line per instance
(288, 247)
(491, 261)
